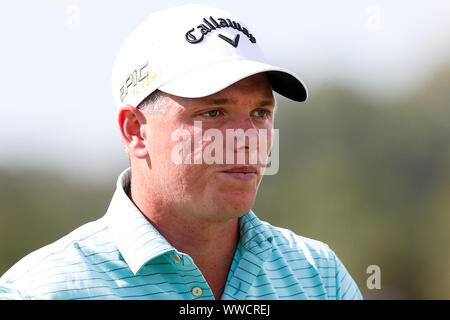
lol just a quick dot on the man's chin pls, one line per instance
(238, 205)
(228, 214)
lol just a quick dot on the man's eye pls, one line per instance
(261, 113)
(212, 113)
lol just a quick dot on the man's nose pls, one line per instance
(245, 123)
(242, 142)
(245, 132)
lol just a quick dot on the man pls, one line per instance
(180, 226)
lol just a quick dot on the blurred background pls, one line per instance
(364, 163)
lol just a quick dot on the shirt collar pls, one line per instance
(135, 237)
(255, 235)
(138, 241)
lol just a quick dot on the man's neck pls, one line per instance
(211, 245)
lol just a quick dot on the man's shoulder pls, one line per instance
(312, 262)
(60, 258)
(290, 244)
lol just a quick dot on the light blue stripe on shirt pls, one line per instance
(122, 256)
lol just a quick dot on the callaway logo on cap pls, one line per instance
(212, 24)
(193, 51)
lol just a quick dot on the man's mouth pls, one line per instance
(244, 173)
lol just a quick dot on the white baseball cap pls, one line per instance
(193, 51)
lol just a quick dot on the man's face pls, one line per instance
(224, 189)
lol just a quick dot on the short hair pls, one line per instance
(153, 103)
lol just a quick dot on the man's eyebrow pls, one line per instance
(267, 103)
(221, 101)
(224, 101)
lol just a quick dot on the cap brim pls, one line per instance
(213, 78)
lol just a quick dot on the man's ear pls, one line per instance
(132, 123)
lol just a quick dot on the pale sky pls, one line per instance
(56, 59)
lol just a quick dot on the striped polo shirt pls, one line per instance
(122, 256)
